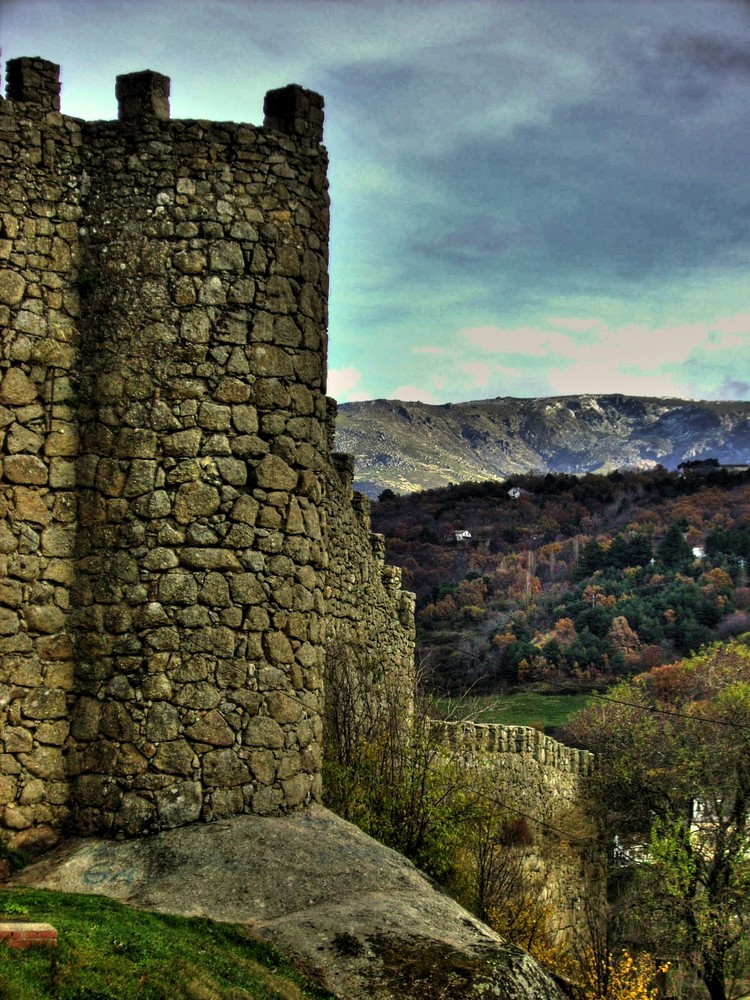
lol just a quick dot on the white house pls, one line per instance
(457, 536)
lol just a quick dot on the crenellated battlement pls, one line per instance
(142, 95)
(472, 738)
(33, 81)
(178, 545)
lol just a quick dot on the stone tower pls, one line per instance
(178, 543)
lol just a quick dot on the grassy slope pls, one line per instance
(108, 951)
(526, 708)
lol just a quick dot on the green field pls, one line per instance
(525, 708)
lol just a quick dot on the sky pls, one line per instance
(529, 197)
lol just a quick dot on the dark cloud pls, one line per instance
(705, 54)
(690, 70)
(482, 237)
(733, 388)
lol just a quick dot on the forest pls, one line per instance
(570, 583)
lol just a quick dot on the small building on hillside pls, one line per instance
(456, 537)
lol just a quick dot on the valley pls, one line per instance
(566, 584)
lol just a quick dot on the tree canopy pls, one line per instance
(674, 788)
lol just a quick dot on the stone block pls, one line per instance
(273, 473)
(267, 801)
(44, 618)
(26, 469)
(30, 506)
(217, 640)
(296, 790)
(117, 723)
(135, 815)
(52, 733)
(190, 262)
(140, 479)
(195, 499)
(58, 541)
(211, 728)
(283, 708)
(225, 802)
(270, 362)
(215, 591)
(174, 757)
(85, 718)
(17, 817)
(179, 804)
(44, 762)
(15, 739)
(200, 696)
(162, 722)
(62, 440)
(245, 510)
(152, 506)
(226, 255)
(12, 288)
(263, 766)
(263, 732)
(277, 648)
(45, 703)
(210, 558)
(23, 440)
(8, 789)
(224, 769)
(232, 471)
(178, 587)
(9, 622)
(136, 443)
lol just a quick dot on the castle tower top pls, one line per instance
(33, 80)
(292, 110)
(142, 95)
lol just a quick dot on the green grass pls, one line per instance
(108, 951)
(525, 708)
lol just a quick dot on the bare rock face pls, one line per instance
(354, 915)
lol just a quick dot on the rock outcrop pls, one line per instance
(354, 915)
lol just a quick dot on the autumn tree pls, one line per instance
(674, 780)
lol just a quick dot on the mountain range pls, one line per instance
(408, 447)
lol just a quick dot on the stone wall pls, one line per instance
(178, 540)
(40, 192)
(543, 783)
(368, 611)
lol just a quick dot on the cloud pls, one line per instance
(690, 69)
(733, 388)
(528, 341)
(479, 371)
(413, 394)
(342, 382)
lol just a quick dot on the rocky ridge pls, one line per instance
(413, 446)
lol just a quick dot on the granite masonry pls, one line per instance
(178, 543)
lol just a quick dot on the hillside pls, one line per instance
(569, 582)
(414, 446)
